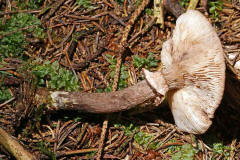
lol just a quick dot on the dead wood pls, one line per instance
(54, 8)
(14, 147)
(123, 42)
(174, 7)
(7, 80)
(19, 11)
(192, 4)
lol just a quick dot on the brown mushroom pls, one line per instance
(193, 73)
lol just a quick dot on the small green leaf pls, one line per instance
(85, 3)
(4, 94)
(218, 148)
(186, 152)
(15, 44)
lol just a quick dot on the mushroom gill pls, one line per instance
(194, 72)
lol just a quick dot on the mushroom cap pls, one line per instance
(194, 69)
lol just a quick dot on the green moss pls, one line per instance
(129, 129)
(91, 155)
(149, 11)
(124, 75)
(45, 148)
(57, 77)
(85, 3)
(185, 152)
(214, 8)
(30, 4)
(148, 62)
(141, 137)
(120, 2)
(219, 148)
(138, 2)
(13, 42)
(184, 3)
(4, 94)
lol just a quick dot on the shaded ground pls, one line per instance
(83, 38)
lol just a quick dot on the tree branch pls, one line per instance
(14, 147)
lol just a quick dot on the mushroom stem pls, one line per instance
(103, 102)
(173, 77)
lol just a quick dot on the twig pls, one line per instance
(89, 10)
(168, 136)
(14, 147)
(76, 152)
(82, 17)
(116, 143)
(101, 77)
(203, 4)
(6, 102)
(49, 34)
(158, 12)
(170, 144)
(17, 30)
(83, 130)
(9, 80)
(89, 57)
(237, 58)
(100, 27)
(95, 45)
(116, 7)
(65, 133)
(117, 73)
(143, 31)
(123, 42)
(117, 18)
(193, 4)
(68, 59)
(107, 3)
(54, 8)
(57, 135)
(81, 34)
(154, 138)
(102, 139)
(19, 11)
(230, 67)
(125, 8)
(105, 123)
(233, 145)
(86, 62)
(67, 37)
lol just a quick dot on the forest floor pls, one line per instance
(73, 46)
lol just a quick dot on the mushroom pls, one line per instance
(193, 73)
